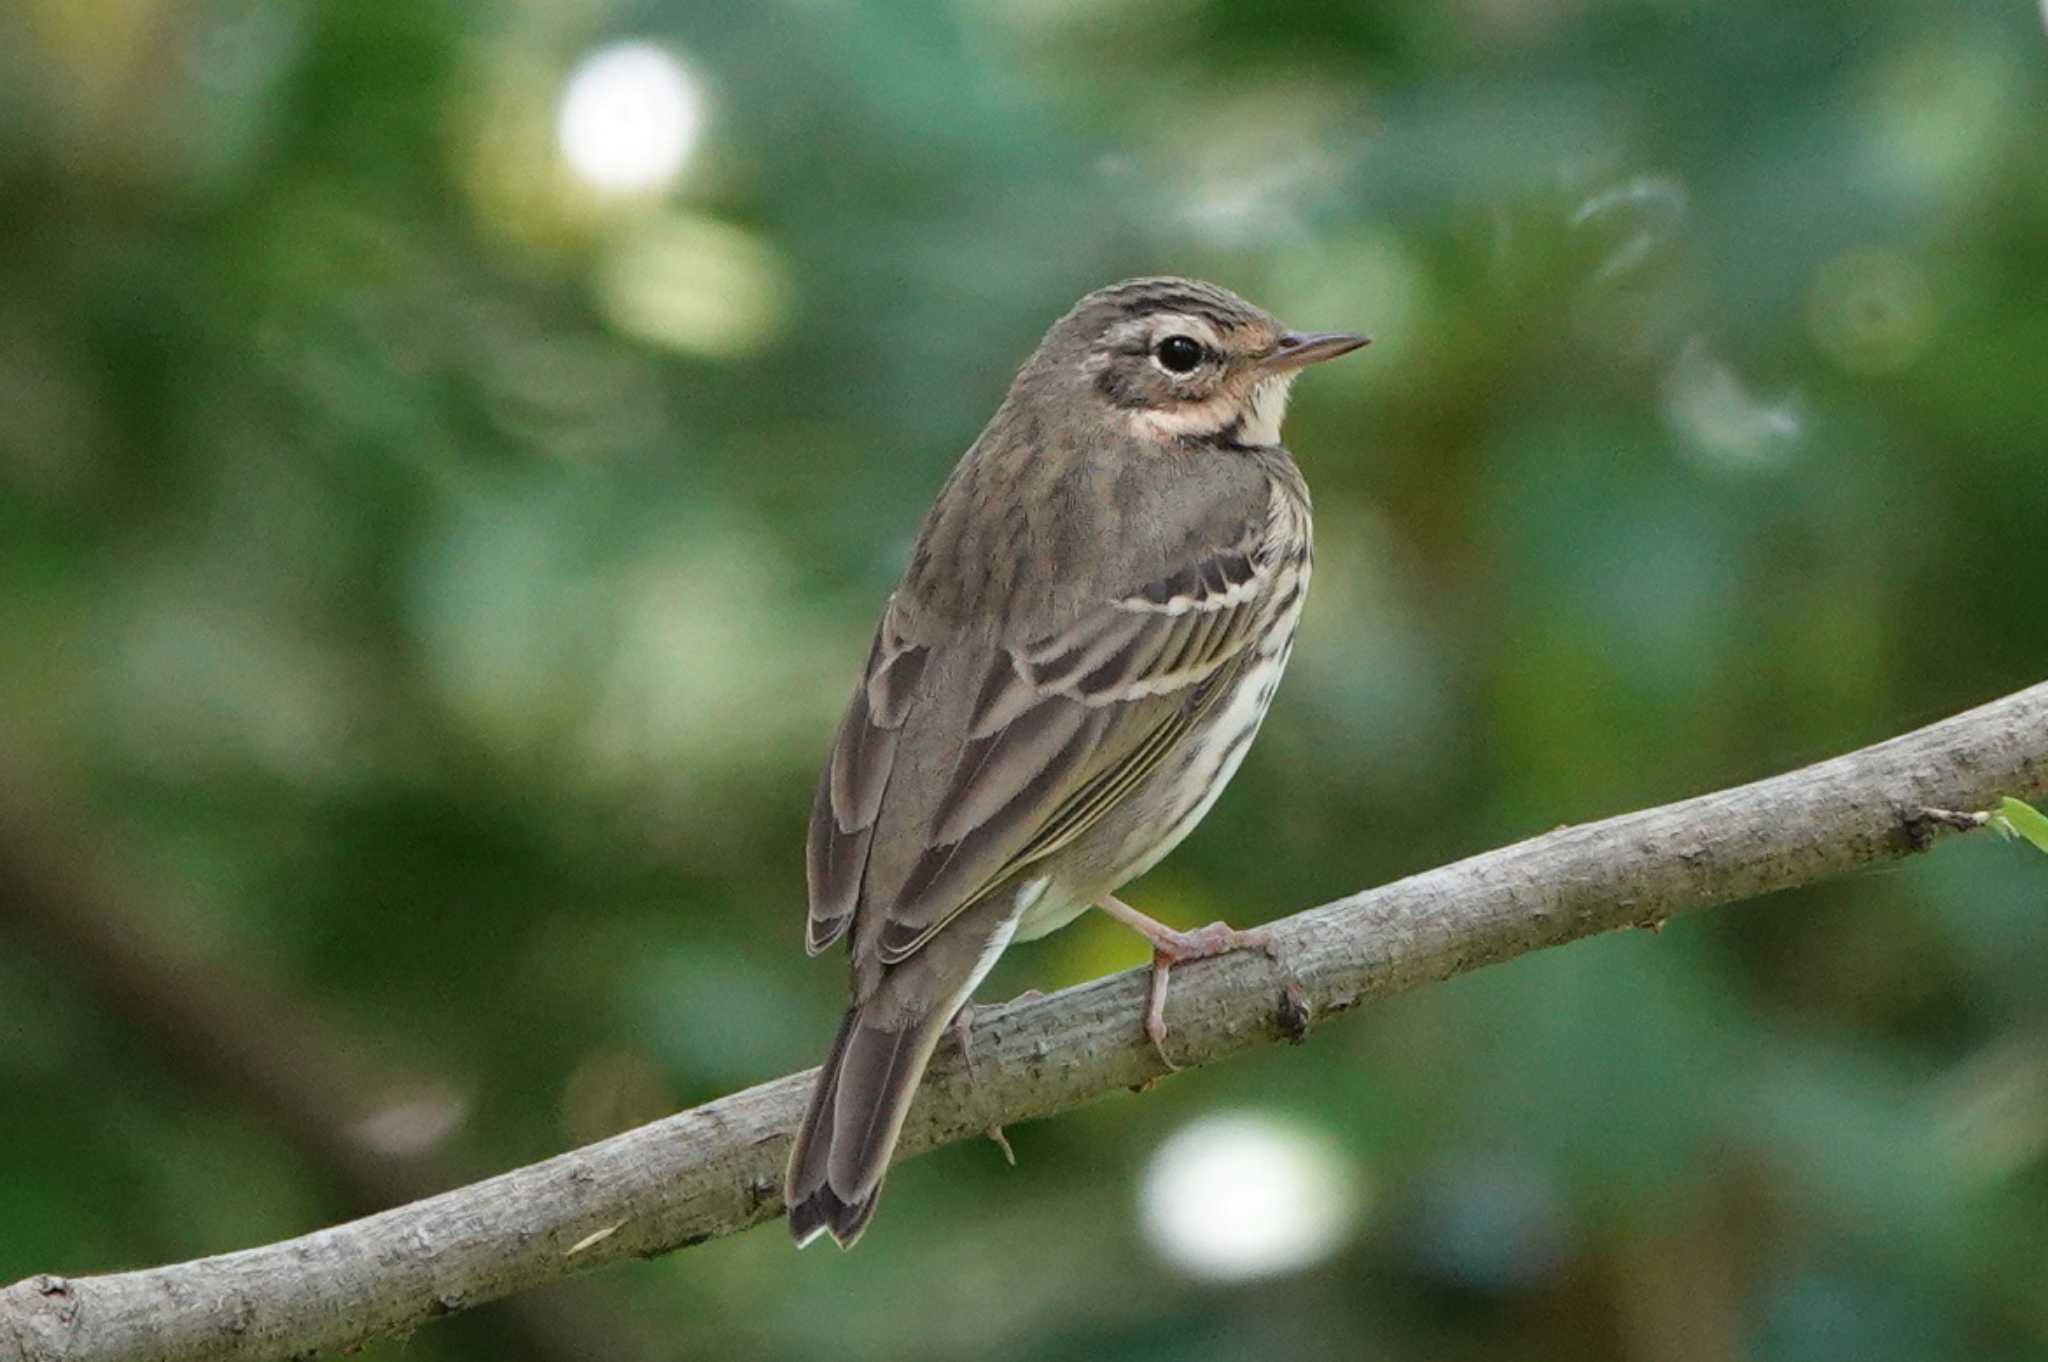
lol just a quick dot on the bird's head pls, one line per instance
(1178, 361)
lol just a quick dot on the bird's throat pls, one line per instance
(1250, 418)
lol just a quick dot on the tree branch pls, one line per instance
(717, 1169)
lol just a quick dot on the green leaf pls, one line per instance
(2017, 818)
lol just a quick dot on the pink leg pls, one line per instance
(962, 1027)
(1170, 948)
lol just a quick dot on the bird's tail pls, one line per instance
(857, 1108)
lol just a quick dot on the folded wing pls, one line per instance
(1067, 725)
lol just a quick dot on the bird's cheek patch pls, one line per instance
(1187, 421)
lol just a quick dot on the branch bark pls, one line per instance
(717, 1169)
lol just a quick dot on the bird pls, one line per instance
(1094, 616)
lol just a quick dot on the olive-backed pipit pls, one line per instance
(1095, 615)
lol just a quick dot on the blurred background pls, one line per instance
(451, 458)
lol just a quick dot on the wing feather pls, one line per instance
(994, 770)
(1066, 726)
(856, 780)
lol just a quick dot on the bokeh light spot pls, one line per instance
(1726, 427)
(694, 284)
(1872, 311)
(630, 117)
(1243, 1195)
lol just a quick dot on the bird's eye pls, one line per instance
(1178, 354)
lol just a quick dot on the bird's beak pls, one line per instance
(1297, 348)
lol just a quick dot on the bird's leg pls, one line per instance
(962, 1027)
(1170, 948)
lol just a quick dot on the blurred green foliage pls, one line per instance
(439, 577)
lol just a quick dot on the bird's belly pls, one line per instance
(1191, 787)
(1053, 911)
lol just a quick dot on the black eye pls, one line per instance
(1178, 354)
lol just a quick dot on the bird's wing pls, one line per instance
(856, 777)
(1063, 728)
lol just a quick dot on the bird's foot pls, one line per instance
(1171, 947)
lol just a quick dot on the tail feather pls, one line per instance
(804, 1187)
(842, 1148)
